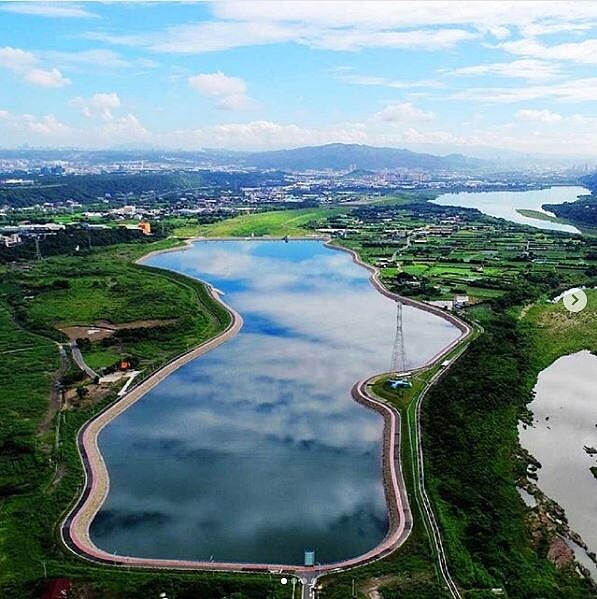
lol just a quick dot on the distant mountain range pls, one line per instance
(335, 156)
(356, 156)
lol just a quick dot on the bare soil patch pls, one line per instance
(102, 329)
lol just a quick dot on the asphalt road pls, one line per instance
(80, 362)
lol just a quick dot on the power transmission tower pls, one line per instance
(399, 351)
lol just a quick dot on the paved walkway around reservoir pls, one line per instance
(75, 528)
(80, 361)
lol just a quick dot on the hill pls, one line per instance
(583, 211)
(590, 181)
(356, 156)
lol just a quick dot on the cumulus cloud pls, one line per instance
(126, 129)
(404, 111)
(229, 92)
(15, 59)
(572, 135)
(100, 105)
(47, 125)
(46, 128)
(49, 130)
(24, 64)
(543, 116)
(43, 78)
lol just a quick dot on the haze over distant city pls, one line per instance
(438, 77)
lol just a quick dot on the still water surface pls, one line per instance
(564, 422)
(503, 204)
(256, 451)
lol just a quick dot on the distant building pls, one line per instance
(145, 227)
(10, 239)
(17, 182)
(461, 301)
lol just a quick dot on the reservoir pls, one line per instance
(564, 423)
(504, 204)
(256, 451)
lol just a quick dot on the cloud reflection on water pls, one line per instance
(256, 450)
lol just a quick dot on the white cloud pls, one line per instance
(24, 64)
(573, 90)
(374, 80)
(43, 78)
(584, 52)
(230, 92)
(423, 39)
(352, 26)
(217, 84)
(16, 59)
(48, 130)
(223, 35)
(99, 58)
(404, 111)
(574, 134)
(543, 116)
(47, 127)
(47, 9)
(101, 105)
(523, 69)
(126, 129)
(490, 16)
(262, 134)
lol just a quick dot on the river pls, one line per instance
(504, 204)
(256, 451)
(564, 423)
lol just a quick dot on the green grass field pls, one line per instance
(98, 358)
(105, 285)
(557, 332)
(26, 377)
(274, 223)
(538, 215)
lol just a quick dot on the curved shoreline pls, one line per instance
(74, 529)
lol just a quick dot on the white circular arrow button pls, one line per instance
(575, 300)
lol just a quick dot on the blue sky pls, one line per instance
(434, 76)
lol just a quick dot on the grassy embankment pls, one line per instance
(275, 223)
(538, 215)
(40, 472)
(585, 228)
(556, 332)
(471, 447)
